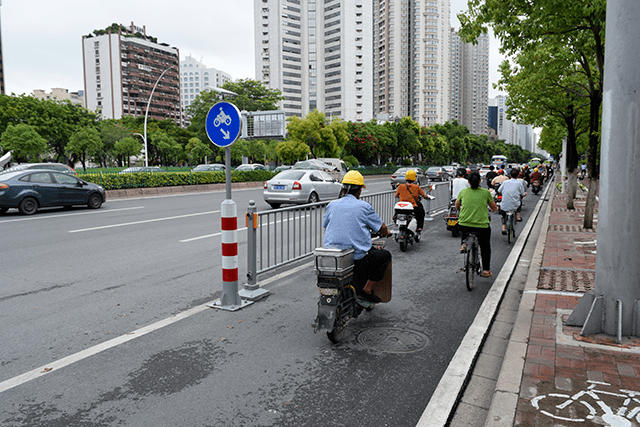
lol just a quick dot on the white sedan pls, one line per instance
(297, 186)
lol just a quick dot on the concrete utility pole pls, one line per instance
(613, 307)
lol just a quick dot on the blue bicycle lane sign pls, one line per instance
(223, 124)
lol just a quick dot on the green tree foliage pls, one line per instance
(53, 120)
(198, 150)
(291, 151)
(25, 142)
(111, 131)
(84, 143)
(253, 95)
(167, 150)
(325, 138)
(577, 29)
(128, 147)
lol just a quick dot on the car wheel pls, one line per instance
(95, 201)
(313, 198)
(274, 205)
(3, 210)
(28, 206)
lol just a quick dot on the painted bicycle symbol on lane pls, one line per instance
(588, 404)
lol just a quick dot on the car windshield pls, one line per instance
(401, 171)
(434, 169)
(289, 174)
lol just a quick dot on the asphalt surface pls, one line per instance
(259, 366)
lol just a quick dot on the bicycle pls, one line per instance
(511, 225)
(559, 409)
(472, 259)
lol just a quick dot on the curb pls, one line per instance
(451, 386)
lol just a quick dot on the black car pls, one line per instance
(28, 190)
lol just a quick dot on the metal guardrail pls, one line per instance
(281, 236)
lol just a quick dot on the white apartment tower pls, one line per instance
(411, 60)
(318, 53)
(196, 77)
(122, 65)
(469, 83)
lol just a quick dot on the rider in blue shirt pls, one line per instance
(347, 222)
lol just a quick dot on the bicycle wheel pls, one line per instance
(470, 268)
(509, 229)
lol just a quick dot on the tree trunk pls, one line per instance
(589, 209)
(572, 186)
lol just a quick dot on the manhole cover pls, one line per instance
(393, 340)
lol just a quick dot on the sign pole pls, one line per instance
(223, 127)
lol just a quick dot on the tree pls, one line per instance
(253, 95)
(325, 138)
(290, 151)
(521, 28)
(128, 147)
(168, 150)
(111, 131)
(197, 150)
(24, 141)
(85, 142)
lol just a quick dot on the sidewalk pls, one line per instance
(549, 368)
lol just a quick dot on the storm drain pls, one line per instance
(393, 340)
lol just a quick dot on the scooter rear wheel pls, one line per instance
(403, 241)
(337, 332)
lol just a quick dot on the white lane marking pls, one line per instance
(142, 222)
(61, 363)
(92, 212)
(91, 351)
(206, 237)
(239, 229)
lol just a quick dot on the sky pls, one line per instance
(42, 39)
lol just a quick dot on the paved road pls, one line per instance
(75, 279)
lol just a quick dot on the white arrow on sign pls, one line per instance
(226, 134)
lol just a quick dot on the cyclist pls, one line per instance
(499, 179)
(512, 193)
(459, 183)
(490, 175)
(347, 222)
(472, 203)
(411, 192)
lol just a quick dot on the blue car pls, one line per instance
(29, 190)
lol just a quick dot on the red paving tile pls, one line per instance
(568, 265)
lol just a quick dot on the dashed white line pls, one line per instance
(142, 222)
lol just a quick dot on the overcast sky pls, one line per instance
(42, 39)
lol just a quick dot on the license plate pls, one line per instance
(402, 222)
(453, 222)
(328, 291)
(278, 187)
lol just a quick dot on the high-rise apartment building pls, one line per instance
(121, 67)
(469, 83)
(319, 53)
(196, 77)
(411, 60)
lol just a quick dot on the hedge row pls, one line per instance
(115, 181)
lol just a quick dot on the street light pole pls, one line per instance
(146, 115)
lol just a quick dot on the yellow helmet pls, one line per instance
(410, 175)
(535, 170)
(353, 177)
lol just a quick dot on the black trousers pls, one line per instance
(371, 267)
(419, 212)
(484, 241)
(504, 214)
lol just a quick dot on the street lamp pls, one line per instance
(146, 115)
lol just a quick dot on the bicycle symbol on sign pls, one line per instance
(222, 117)
(584, 405)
